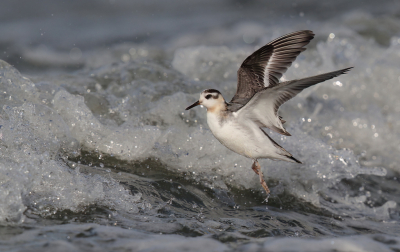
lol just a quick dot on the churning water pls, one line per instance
(98, 154)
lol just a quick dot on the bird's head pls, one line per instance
(211, 99)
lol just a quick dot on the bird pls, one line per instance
(239, 124)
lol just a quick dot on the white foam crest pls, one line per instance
(125, 142)
(32, 176)
(44, 186)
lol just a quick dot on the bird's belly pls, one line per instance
(233, 139)
(238, 139)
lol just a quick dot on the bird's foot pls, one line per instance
(266, 199)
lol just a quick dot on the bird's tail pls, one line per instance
(297, 161)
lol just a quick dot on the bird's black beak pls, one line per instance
(193, 105)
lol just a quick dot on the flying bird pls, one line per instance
(238, 124)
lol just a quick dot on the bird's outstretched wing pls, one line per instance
(263, 106)
(265, 66)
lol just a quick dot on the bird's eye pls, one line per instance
(208, 96)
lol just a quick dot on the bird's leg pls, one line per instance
(257, 169)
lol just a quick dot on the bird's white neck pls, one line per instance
(217, 108)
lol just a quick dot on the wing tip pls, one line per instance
(309, 32)
(343, 71)
(346, 70)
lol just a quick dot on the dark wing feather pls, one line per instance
(265, 66)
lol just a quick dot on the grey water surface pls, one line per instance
(98, 154)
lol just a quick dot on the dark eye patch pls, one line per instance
(208, 96)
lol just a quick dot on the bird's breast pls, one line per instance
(228, 132)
